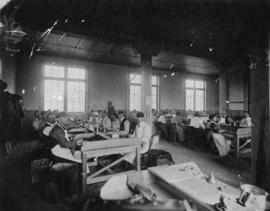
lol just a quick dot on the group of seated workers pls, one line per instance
(201, 133)
(117, 122)
(223, 139)
(54, 130)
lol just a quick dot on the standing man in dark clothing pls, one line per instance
(11, 113)
(110, 109)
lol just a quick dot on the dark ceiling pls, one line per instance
(105, 30)
(104, 51)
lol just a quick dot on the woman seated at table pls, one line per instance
(209, 134)
(246, 121)
(162, 117)
(106, 121)
(196, 122)
(225, 119)
(162, 126)
(212, 120)
(223, 145)
(115, 122)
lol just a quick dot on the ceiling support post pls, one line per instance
(260, 107)
(146, 86)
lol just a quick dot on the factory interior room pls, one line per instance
(134, 105)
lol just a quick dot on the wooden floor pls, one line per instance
(224, 169)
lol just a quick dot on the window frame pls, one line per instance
(194, 89)
(136, 85)
(157, 86)
(66, 79)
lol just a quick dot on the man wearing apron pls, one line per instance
(64, 171)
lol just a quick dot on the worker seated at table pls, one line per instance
(124, 124)
(246, 121)
(178, 121)
(162, 117)
(143, 132)
(221, 142)
(43, 123)
(196, 134)
(212, 119)
(154, 114)
(64, 172)
(106, 122)
(196, 122)
(115, 122)
(59, 136)
(225, 118)
(162, 125)
(59, 133)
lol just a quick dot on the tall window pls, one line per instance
(195, 95)
(135, 92)
(155, 93)
(64, 88)
(54, 87)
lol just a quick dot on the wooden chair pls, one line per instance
(145, 156)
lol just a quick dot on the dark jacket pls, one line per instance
(122, 124)
(57, 136)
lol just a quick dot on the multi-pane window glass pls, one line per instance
(135, 79)
(76, 96)
(76, 73)
(189, 99)
(60, 82)
(155, 85)
(190, 83)
(195, 95)
(54, 71)
(154, 80)
(135, 97)
(54, 94)
(154, 97)
(135, 92)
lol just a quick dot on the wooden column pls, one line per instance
(227, 92)
(247, 91)
(146, 86)
(223, 90)
(1, 69)
(147, 49)
(260, 91)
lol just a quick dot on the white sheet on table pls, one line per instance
(64, 153)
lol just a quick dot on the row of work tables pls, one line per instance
(101, 144)
(179, 182)
(241, 136)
